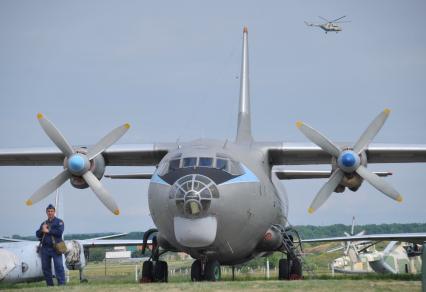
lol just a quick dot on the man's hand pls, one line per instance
(45, 228)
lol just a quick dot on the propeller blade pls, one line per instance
(102, 194)
(49, 187)
(360, 233)
(335, 249)
(389, 248)
(338, 18)
(319, 139)
(371, 131)
(55, 135)
(353, 225)
(327, 189)
(107, 141)
(379, 183)
(348, 246)
(347, 234)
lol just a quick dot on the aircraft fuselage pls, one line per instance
(215, 199)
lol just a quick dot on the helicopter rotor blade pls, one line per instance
(338, 18)
(324, 19)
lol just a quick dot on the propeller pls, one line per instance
(77, 164)
(349, 161)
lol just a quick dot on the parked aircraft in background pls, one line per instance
(218, 200)
(328, 25)
(360, 257)
(20, 262)
(396, 258)
(401, 255)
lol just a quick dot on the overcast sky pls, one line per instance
(170, 69)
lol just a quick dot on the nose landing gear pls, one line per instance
(205, 270)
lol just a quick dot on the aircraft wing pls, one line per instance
(418, 238)
(116, 155)
(112, 242)
(307, 153)
(7, 239)
(286, 174)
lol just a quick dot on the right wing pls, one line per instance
(418, 238)
(308, 153)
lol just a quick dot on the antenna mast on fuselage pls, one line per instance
(244, 119)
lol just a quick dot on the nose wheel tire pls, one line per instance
(196, 271)
(211, 272)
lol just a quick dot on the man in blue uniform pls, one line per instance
(49, 233)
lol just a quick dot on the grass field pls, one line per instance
(122, 277)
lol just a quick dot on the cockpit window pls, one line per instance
(205, 162)
(189, 162)
(222, 164)
(221, 161)
(174, 164)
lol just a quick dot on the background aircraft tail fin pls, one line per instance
(244, 116)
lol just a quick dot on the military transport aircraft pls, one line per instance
(328, 25)
(218, 200)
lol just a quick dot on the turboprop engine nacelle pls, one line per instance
(97, 167)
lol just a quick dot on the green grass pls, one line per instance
(122, 278)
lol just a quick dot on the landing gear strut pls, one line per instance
(290, 268)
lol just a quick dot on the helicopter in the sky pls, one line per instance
(328, 25)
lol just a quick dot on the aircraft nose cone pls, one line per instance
(348, 160)
(8, 261)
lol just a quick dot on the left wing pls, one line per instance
(418, 238)
(6, 239)
(112, 242)
(116, 155)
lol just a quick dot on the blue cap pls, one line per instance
(50, 207)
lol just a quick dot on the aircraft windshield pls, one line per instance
(221, 162)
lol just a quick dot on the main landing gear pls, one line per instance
(154, 270)
(290, 268)
(205, 270)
